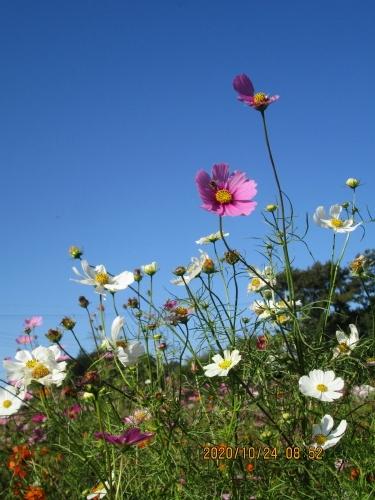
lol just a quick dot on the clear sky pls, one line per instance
(108, 109)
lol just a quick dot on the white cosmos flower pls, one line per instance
(333, 221)
(127, 352)
(150, 269)
(321, 385)
(324, 436)
(222, 365)
(346, 343)
(193, 269)
(41, 364)
(211, 238)
(257, 284)
(10, 400)
(102, 281)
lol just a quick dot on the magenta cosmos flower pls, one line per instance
(129, 437)
(224, 193)
(242, 84)
(33, 322)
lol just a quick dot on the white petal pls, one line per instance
(335, 211)
(326, 424)
(117, 324)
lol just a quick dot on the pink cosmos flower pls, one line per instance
(242, 84)
(25, 339)
(129, 437)
(33, 322)
(39, 418)
(74, 411)
(224, 193)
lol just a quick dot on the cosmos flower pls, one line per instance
(257, 284)
(25, 339)
(321, 385)
(226, 194)
(138, 417)
(222, 365)
(259, 101)
(10, 400)
(127, 352)
(41, 364)
(211, 238)
(129, 437)
(33, 322)
(150, 269)
(102, 281)
(324, 436)
(334, 222)
(193, 269)
(346, 343)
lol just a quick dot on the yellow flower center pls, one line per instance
(282, 318)
(102, 278)
(343, 347)
(226, 363)
(255, 282)
(7, 403)
(181, 311)
(223, 196)
(322, 388)
(337, 222)
(38, 370)
(259, 98)
(320, 439)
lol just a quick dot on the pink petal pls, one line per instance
(239, 208)
(245, 192)
(242, 84)
(220, 173)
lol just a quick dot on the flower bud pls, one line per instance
(137, 274)
(271, 208)
(162, 346)
(54, 335)
(358, 265)
(179, 271)
(75, 252)
(87, 396)
(232, 256)
(132, 303)
(208, 266)
(83, 302)
(345, 204)
(194, 367)
(150, 269)
(68, 323)
(157, 336)
(352, 182)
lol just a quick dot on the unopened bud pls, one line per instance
(150, 269)
(54, 335)
(271, 208)
(137, 274)
(179, 271)
(208, 266)
(83, 302)
(68, 323)
(352, 182)
(345, 204)
(157, 336)
(132, 303)
(162, 346)
(232, 256)
(75, 252)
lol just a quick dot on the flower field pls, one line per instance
(193, 396)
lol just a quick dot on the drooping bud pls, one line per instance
(162, 346)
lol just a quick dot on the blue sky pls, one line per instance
(108, 109)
